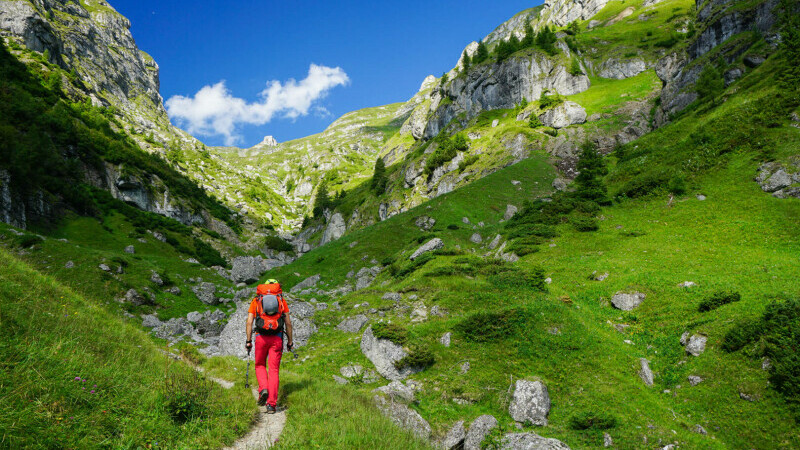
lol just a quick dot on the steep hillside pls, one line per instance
(478, 324)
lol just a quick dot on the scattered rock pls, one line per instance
(601, 277)
(746, 397)
(438, 311)
(627, 301)
(445, 339)
(398, 391)
(696, 345)
(687, 284)
(174, 290)
(352, 324)
(383, 354)
(495, 242)
(425, 223)
(766, 364)
(465, 366)
(432, 245)
(104, 267)
(645, 373)
(246, 269)
(366, 276)
(701, 197)
(130, 249)
(393, 296)
(694, 380)
(510, 211)
(339, 380)
(454, 439)
(403, 416)
(495, 122)
(476, 238)
(206, 293)
(305, 284)
(419, 313)
(155, 278)
(135, 298)
(531, 402)
(69, 265)
(478, 430)
(194, 316)
(530, 441)
(516, 182)
(699, 429)
(607, 441)
(150, 321)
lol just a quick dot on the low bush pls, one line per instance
(718, 299)
(278, 244)
(587, 420)
(584, 223)
(392, 332)
(532, 278)
(413, 265)
(186, 396)
(493, 326)
(453, 226)
(27, 240)
(418, 357)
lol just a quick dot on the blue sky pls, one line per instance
(382, 50)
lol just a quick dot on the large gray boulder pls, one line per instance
(232, 338)
(302, 330)
(335, 229)
(150, 321)
(206, 293)
(530, 441)
(454, 439)
(566, 114)
(425, 223)
(627, 301)
(352, 324)
(403, 416)
(396, 390)
(135, 298)
(246, 269)
(301, 310)
(510, 211)
(432, 245)
(366, 276)
(384, 353)
(621, 68)
(645, 373)
(478, 430)
(305, 284)
(696, 344)
(531, 402)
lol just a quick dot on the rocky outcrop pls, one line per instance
(432, 245)
(478, 430)
(353, 324)
(530, 441)
(781, 180)
(621, 68)
(403, 416)
(335, 229)
(18, 209)
(493, 86)
(627, 301)
(561, 12)
(564, 115)
(383, 354)
(531, 402)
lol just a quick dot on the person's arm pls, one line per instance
(289, 334)
(249, 331)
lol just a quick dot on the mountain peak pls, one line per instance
(269, 141)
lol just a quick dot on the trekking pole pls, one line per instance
(247, 374)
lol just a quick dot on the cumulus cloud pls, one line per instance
(213, 111)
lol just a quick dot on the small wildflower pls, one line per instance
(83, 388)
(77, 378)
(92, 391)
(94, 385)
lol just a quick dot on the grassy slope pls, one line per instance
(739, 238)
(51, 335)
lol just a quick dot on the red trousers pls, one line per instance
(268, 352)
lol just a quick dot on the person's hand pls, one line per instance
(248, 345)
(290, 345)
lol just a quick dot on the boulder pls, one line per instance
(305, 284)
(246, 269)
(530, 441)
(510, 211)
(150, 321)
(403, 416)
(699, 429)
(396, 390)
(531, 402)
(301, 310)
(476, 238)
(478, 430)
(174, 327)
(419, 313)
(694, 380)
(302, 330)
(135, 298)
(445, 339)
(627, 301)
(383, 354)
(104, 267)
(645, 373)
(432, 245)
(425, 223)
(335, 229)
(393, 296)
(566, 114)
(607, 441)
(366, 276)
(352, 324)
(194, 316)
(454, 439)
(69, 265)
(130, 249)
(155, 278)
(495, 242)
(206, 293)
(696, 345)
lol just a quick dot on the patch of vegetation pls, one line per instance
(589, 420)
(186, 396)
(485, 326)
(402, 272)
(418, 357)
(278, 244)
(718, 299)
(27, 240)
(529, 278)
(379, 179)
(393, 332)
(447, 149)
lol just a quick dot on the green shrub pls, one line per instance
(418, 357)
(27, 240)
(453, 226)
(677, 185)
(414, 265)
(487, 326)
(710, 83)
(590, 420)
(550, 131)
(549, 101)
(379, 179)
(718, 299)
(534, 121)
(186, 396)
(584, 224)
(277, 243)
(445, 152)
(392, 332)
(575, 67)
(532, 278)
(208, 255)
(468, 161)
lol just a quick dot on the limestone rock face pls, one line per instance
(206, 293)
(454, 439)
(246, 269)
(618, 68)
(383, 354)
(531, 402)
(564, 115)
(335, 229)
(305, 284)
(562, 12)
(353, 324)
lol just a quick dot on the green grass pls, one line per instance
(605, 95)
(53, 339)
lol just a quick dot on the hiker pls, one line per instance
(271, 314)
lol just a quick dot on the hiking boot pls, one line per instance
(271, 409)
(262, 397)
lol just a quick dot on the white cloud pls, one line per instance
(214, 111)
